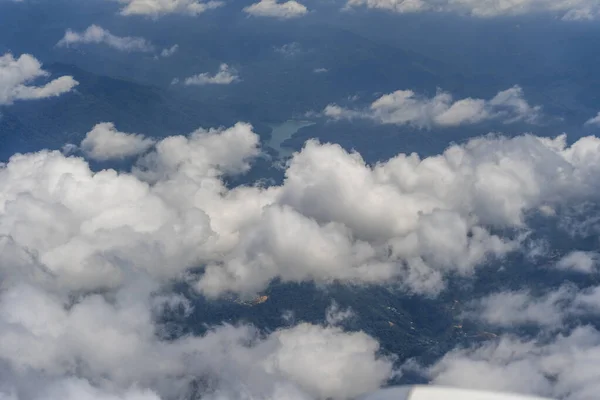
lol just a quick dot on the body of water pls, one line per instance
(282, 132)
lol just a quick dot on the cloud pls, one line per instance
(225, 76)
(271, 8)
(516, 308)
(307, 353)
(113, 345)
(289, 49)
(334, 315)
(168, 52)
(580, 261)
(547, 310)
(86, 259)
(17, 74)
(594, 121)
(174, 209)
(404, 107)
(566, 9)
(158, 8)
(104, 142)
(96, 35)
(564, 367)
(320, 70)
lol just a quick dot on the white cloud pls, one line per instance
(580, 261)
(174, 209)
(225, 76)
(320, 70)
(272, 8)
(508, 309)
(307, 353)
(334, 315)
(566, 9)
(565, 367)
(594, 121)
(168, 52)
(289, 49)
(104, 142)
(96, 35)
(406, 107)
(547, 311)
(84, 257)
(16, 75)
(347, 211)
(112, 343)
(158, 8)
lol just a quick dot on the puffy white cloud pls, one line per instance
(225, 76)
(104, 142)
(508, 309)
(347, 210)
(114, 345)
(308, 353)
(580, 261)
(84, 256)
(78, 389)
(565, 367)
(547, 311)
(567, 9)
(406, 107)
(174, 210)
(157, 8)
(272, 8)
(16, 75)
(82, 259)
(96, 35)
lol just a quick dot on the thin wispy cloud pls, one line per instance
(95, 34)
(565, 9)
(225, 76)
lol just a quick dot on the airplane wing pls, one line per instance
(419, 392)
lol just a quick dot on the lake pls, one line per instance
(283, 131)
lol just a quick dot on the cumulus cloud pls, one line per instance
(225, 76)
(248, 236)
(17, 74)
(113, 345)
(564, 367)
(566, 9)
(158, 8)
(85, 256)
(580, 261)
(507, 309)
(95, 34)
(272, 8)
(405, 107)
(104, 142)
